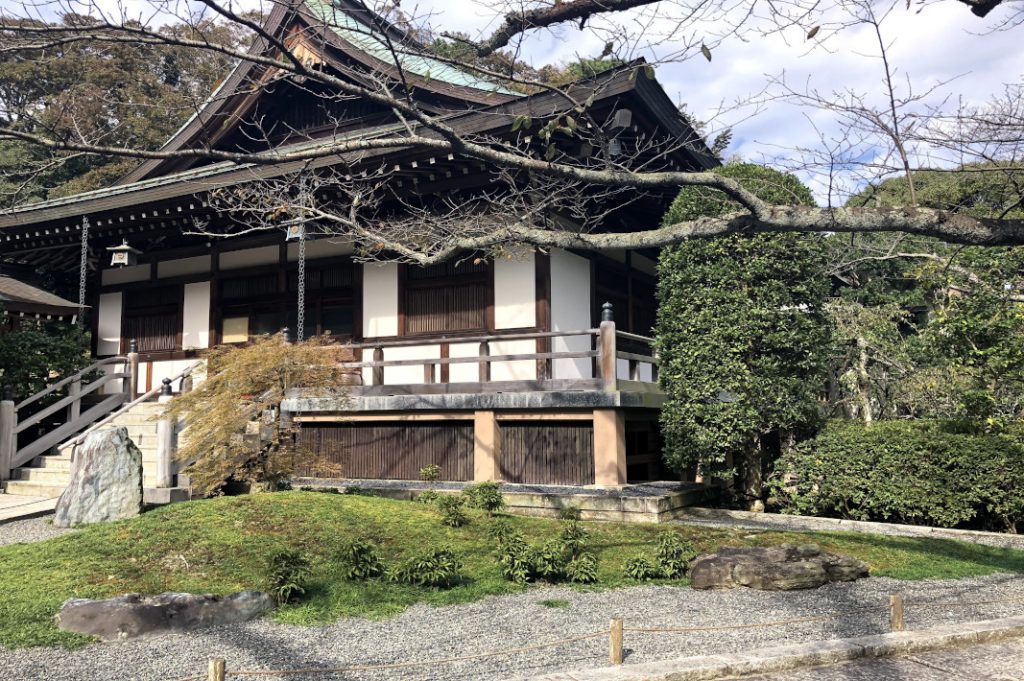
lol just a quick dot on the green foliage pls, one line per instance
(504, 532)
(434, 567)
(581, 569)
(742, 331)
(486, 496)
(244, 384)
(641, 568)
(288, 574)
(36, 356)
(431, 473)
(673, 555)
(361, 560)
(555, 603)
(570, 513)
(573, 537)
(453, 510)
(429, 496)
(916, 472)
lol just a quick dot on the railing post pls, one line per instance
(75, 411)
(607, 349)
(378, 372)
(165, 441)
(8, 421)
(133, 369)
(485, 364)
(428, 372)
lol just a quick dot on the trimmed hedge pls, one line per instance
(913, 472)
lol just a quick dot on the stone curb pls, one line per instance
(782, 658)
(809, 524)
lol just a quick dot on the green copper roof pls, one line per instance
(372, 42)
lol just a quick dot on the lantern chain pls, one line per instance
(83, 267)
(300, 326)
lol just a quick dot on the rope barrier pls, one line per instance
(615, 624)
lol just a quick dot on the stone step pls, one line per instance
(33, 489)
(52, 476)
(52, 461)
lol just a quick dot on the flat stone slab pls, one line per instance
(782, 568)
(17, 507)
(134, 615)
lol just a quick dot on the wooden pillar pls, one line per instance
(609, 447)
(486, 454)
(607, 358)
(165, 442)
(8, 421)
(133, 370)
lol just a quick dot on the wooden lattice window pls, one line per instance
(152, 317)
(446, 298)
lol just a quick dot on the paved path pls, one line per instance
(17, 507)
(988, 662)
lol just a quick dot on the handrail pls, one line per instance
(57, 386)
(187, 371)
(633, 336)
(61, 404)
(581, 354)
(455, 340)
(633, 357)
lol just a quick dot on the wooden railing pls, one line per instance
(17, 417)
(602, 343)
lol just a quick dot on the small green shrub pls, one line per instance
(556, 603)
(453, 513)
(516, 559)
(548, 560)
(288, 572)
(428, 497)
(434, 567)
(503, 532)
(431, 473)
(361, 560)
(916, 472)
(673, 555)
(573, 537)
(486, 496)
(582, 569)
(641, 568)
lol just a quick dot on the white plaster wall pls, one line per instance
(200, 264)
(322, 248)
(468, 372)
(380, 300)
(249, 257)
(646, 371)
(125, 275)
(515, 293)
(165, 369)
(570, 311)
(195, 332)
(518, 370)
(108, 340)
(403, 375)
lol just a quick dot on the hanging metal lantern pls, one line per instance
(295, 230)
(123, 255)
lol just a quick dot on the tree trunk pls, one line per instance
(863, 381)
(751, 474)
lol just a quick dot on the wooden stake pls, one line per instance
(217, 669)
(615, 642)
(896, 612)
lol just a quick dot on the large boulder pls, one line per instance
(134, 614)
(106, 480)
(782, 568)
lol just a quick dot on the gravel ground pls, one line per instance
(28, 531)
(507, 622)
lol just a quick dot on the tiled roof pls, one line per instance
(14, 291)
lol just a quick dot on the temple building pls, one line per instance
(534, 367)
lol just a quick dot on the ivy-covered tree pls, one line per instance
(743, 336)
(35, 355)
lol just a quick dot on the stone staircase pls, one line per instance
(49, 474)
